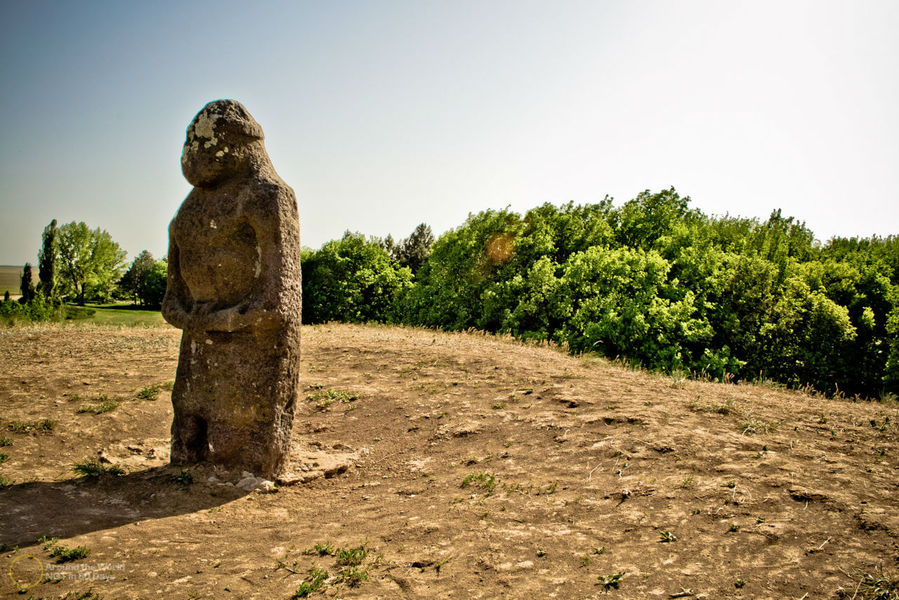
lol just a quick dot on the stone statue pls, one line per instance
(234, 289)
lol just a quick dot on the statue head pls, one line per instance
(222, 141)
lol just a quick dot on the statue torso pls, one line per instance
(219, 257)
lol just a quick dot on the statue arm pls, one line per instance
(173, 309)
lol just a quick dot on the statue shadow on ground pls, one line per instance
(81, 505)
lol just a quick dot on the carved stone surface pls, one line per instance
(234, 289)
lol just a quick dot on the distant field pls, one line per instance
(10, 278)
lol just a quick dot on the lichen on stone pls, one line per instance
(204, 127)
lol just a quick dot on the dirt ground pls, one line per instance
(487, 469)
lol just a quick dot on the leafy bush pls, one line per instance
(621, 303)
(653, 281)
(37, 309)
(352, 280)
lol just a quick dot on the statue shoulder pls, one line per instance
(188, 207)
(270, 193)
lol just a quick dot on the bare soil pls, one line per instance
(487, 469)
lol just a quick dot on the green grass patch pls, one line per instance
(27, 427)
(326, 549)
(667, 537)
(183, 478)
(316, 580)
(610, 582)
(104, 405)
(483, 481)
(114, 314)
(882, 585)
(325, 398)
(78, 313)
(92, 469)
(47, 541)
(352, 557)
(63, 554)
(151, 392)
(349, 561)
(353, 576)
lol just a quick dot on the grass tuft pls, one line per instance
(353, 576)
(23, 427)
(325, 398)
(609, 582)
(484, 481)
(880, 586)
(151, 392)
(183, 478)
(106, 405)
(667, 536)
(92, 469)
(352, 557)
(316, 580)
(63, 554)
(326, 549)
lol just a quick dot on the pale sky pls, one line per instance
(382, 115)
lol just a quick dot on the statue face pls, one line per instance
(222, 141)
(208, 158)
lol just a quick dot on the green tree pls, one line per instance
(26, 284)
(622, 303)
(388, 244)
(782, 238)
(648, 219)
(145, 280)
(465, 281)
(352, 280)
(415, 249)
(498, 270)
(89, 261)
(538, 313)
(47, 262)
(155, 283)
(558, 232)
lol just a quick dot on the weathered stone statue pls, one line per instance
(234, 288)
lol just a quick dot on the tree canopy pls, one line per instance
(415, 249)
(352, 279)
(145, 280)
(89, 261)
